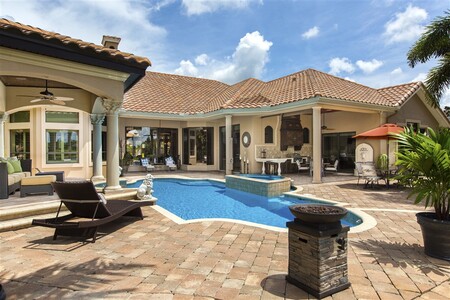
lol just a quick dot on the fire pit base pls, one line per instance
(318, 257)
(315, 293)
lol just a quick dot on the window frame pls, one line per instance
(80, 127)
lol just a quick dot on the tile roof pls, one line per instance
(173, 94)
(165, 93)
(78, 45)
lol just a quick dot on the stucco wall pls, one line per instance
(414, 110)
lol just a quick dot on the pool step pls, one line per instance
(20, 223)
(17, 217)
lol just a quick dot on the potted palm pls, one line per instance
(424, 161)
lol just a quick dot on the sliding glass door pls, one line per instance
(339, 146)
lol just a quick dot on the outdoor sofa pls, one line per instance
(12, 171)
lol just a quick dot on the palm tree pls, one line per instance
(434, 43)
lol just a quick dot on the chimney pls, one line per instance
(111, 42)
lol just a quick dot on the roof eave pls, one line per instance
(14, 39)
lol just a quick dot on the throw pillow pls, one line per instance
(16, 165)
(10, 167)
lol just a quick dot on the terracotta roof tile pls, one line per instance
(172, 94)
(166, 93)
(398, 94)
(37, 33)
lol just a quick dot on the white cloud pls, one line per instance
(312, 32)
(202, 59)
(349, 79)
(406, 26)
(248, 60)
(90, 20)
(369, 66)
(338, 65)
(397, 71)
(186, 68)
(198, 7)
(445, 100)
(420, 77)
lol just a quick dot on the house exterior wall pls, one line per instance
(414, 110)
(38, 127)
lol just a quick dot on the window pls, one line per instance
(305, 135)
(20, 117)
(156, 144)
(61, 117)
(198, 145)
(20, 143)
(268, 135)
(62, 146)
(416, 127)
(192, 143)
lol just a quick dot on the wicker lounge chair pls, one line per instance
(89, 209)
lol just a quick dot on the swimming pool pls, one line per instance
(205, 199)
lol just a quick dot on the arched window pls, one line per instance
(305, 135)
(268, 135)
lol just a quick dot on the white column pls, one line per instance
(3, 117)
(96, 121)
(112, 137)
(383, 143)
(317, 145)
(228, 146)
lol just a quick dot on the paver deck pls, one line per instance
(158, 259)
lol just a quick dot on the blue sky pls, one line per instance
(231, 40)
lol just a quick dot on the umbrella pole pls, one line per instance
(388, 171)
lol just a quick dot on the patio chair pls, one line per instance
(359, 171)
(90, 209)
(370, 175)
(303, 164)
(146, 164)
(171, 164)
(333, 167)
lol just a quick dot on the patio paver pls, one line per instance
(158, 259)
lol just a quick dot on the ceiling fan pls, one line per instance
(49, 96)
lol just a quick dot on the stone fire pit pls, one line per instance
(318, 249)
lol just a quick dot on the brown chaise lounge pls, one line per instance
(88, 208)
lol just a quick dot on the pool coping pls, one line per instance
(368, 221)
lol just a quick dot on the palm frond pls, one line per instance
(434, 42)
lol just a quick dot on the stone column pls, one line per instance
(3, 118)
(317, 145)
(96, 121)
(228, 146)
(112, 136)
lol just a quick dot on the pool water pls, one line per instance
(199, 199)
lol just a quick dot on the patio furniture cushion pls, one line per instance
(9, 166)
(38, 180)
(37, 184)
(16, 165)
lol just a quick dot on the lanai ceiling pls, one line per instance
(14, 81)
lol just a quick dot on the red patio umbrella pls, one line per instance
(383, 132)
